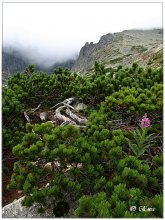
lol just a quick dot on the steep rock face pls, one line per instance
(142, 46)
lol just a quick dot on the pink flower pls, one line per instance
(145, 122)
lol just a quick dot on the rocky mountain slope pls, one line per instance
(142, 46)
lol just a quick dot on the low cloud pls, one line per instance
(38, 53)
(48, 33)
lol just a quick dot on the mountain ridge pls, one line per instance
(123, 48)
(113, 49)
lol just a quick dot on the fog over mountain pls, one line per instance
(16, 60)
(44, 58)
(113, 49)
(49, 33)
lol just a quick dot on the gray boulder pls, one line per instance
(16, 210)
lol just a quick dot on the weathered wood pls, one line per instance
(60, 116)
(66, 102)
(35, 109)
(27, 117)
(75, 117)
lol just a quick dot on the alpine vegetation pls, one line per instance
(87, 146)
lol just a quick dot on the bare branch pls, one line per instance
(27, 117)
(35, 109)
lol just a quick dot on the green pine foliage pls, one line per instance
(103, 169)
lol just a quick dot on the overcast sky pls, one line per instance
(56, 31)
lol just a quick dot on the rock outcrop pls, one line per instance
(142, 46)
(16, 210)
